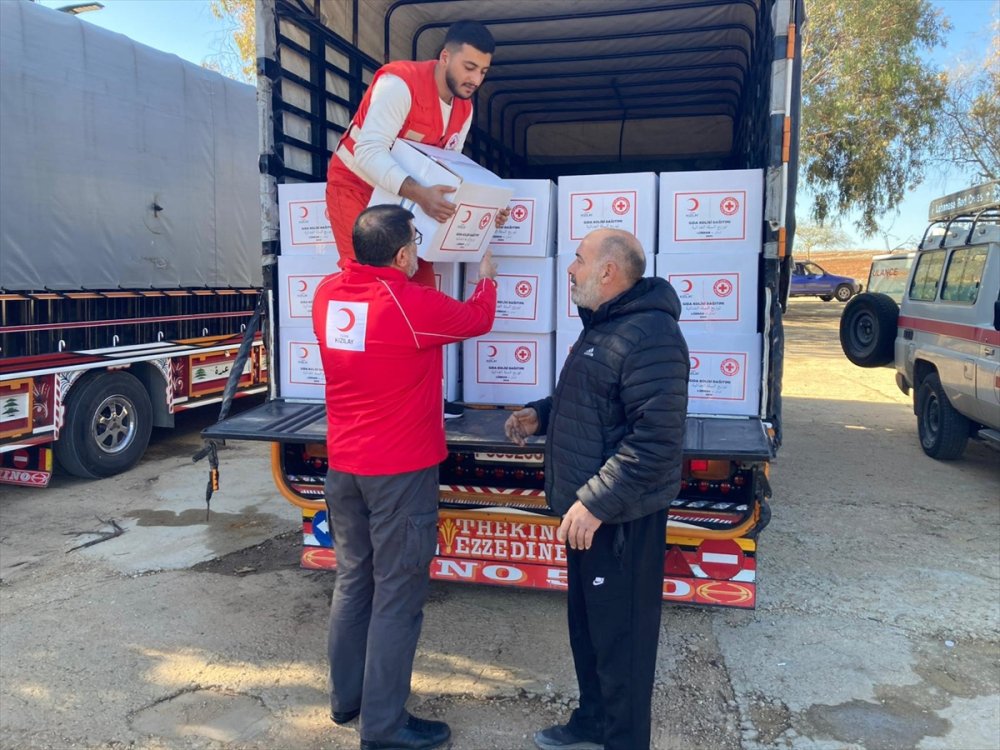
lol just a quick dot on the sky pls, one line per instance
(188, 29)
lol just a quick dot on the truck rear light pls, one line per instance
(700, 468)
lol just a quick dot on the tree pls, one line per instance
(237, 58)
(970, 126)
(811, 237)
(870, 104)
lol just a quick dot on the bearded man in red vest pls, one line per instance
(429, 102)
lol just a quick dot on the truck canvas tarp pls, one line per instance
(576, 87)
(129, 242)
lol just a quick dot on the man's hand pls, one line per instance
(520, 425)
(487, 266)
(578, 527)
(502, 215)
(433, 202)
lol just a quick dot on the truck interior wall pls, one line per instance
(122, 166)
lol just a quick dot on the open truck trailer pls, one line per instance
(576, 87)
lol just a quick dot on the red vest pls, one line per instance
(423, 123)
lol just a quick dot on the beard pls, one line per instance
(455, 88)
(585, 295)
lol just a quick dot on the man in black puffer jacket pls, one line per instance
(614, 433)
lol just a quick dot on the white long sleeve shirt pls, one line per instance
(387, 111)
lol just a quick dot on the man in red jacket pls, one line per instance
(381, 337)
(429, 102)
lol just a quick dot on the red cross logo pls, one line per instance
(723, 288)
(729, 367)
(523, 288)
(522, 354)
(729, 205)
(621, 205)
(485, 221)
(519, 213)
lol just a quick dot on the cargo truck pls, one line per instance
(577, 87)
(129, 243)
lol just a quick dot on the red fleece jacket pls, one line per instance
(381, 337)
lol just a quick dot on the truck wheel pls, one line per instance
(826, 297)
(108, 422)
(943, 431)
(843, 293)
(868, 329)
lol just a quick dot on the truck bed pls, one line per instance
(297, 422)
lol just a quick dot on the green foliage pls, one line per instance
(809, 237)
(870, 104)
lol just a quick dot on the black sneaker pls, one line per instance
(415, 734)
(561, 737)
(344, 717)
(453, 410)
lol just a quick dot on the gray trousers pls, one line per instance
(385, 534)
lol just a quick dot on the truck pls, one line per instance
(576, 88)
(129, 245)
(942, 332)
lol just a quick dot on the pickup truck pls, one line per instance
(944, 335)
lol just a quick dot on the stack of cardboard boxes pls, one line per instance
(709, 250)
(308, 254)
(513, 364)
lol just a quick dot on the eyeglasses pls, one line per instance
(417, 237)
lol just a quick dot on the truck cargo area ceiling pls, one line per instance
(619, 80)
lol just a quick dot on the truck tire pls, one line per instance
(826, 297)
(843, 293)
(109, 419)
(868, 329)
(943, 431)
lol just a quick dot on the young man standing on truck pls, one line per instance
(429, 102)
(614, 435)
(380, 337)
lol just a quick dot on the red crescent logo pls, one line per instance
(303, 353)
(588, 204)
(468, 215)
(695, 363)
(304, 212)
(350, 319)
(303, 285)
(491, 351)
(694, 204)
(687, 286)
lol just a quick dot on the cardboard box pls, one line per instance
(478, 196)
(711, 211)
(507, 368)
(564, 343)
(298, 277)
(530, 230)
(617, 201)
(567, 314)
(450, 385)
(525, 293)
(718, 291)
(725, 374)
(448, 279)
(305, 228)
(301, 375)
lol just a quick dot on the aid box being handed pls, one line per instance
(507, 368)
(530, 230)
(718, 291)
(305, 228)
(525, 293)
(614, 201)
(479, 195)
(711, 211)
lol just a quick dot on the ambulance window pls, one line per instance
(927, 275)
(965, 275)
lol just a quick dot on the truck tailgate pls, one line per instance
(298, 422)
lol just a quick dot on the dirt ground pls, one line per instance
(877, 628)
